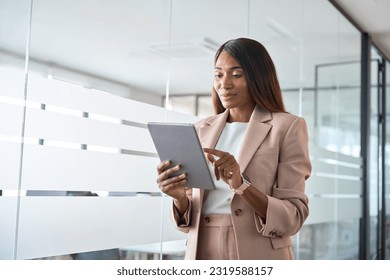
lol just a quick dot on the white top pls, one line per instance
(218, 201)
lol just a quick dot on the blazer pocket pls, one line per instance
(267, 151)
(278, 243)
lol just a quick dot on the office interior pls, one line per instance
(79, 80)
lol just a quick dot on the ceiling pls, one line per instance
(373, 17)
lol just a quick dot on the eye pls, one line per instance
(217, 75)
(237, 75)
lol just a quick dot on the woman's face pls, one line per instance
(230, 83)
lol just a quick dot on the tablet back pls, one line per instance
(179, 143)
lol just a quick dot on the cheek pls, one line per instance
(246, 93)
(244, 86)
(216, 86)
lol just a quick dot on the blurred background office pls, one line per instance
(80, 79)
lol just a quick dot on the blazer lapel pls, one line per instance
(210, 132)
(254, 136)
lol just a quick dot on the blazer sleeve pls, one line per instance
(183, 222)
(288, 205)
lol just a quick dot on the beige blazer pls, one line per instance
(274, 155)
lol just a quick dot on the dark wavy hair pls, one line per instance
(259, 71)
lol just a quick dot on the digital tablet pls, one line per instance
(179, 143)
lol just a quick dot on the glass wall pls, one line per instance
(319, 73)
(378, 183)
(14, 32)
(98, 71)
(375, 157)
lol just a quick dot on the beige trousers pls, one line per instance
(216, 239)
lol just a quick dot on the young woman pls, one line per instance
(259, 155)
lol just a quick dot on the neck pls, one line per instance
(237, 115)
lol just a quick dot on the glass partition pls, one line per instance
(375, 155)
(331, 82)
(14, 33)
(378, 185)
(319, 72)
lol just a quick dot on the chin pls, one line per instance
(229, 105)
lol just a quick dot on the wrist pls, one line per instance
(181, 203)
(245, 183)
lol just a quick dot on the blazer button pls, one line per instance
(238, 212)
(207, 220)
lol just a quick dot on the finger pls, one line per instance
(216, 173)
(162, 166)
(211, 158)
(171, 187)
(227, 169)
(213, 161)
(227, 166)
(223, 160)
(228, 172)
(167, 173)
(221, 163)
(215, 152)
(173, 180)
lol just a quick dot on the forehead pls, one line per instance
(225, 60)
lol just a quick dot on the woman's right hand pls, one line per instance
(173, 186)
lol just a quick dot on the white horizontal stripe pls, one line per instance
(325, 168)
(336, 176)
(328, 210)
(327, 185)
(63, 128)
(67, 169)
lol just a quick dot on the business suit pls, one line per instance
(274, 155)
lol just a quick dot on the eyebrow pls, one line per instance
(231, 68)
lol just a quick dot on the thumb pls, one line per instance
(211, 158)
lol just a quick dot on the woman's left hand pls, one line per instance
(225, 167)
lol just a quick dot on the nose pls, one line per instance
(226, 82)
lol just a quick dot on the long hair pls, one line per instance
(259, 71)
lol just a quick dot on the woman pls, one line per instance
(259, 155)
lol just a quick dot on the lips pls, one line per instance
(227, 95)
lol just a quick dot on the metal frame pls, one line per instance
(382, 216)
(365, 104)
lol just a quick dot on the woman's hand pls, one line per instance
(225, 167)
(171, 185)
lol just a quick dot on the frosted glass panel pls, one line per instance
(8, 214)
(13, 38)
(9, 165)
(60, 225)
